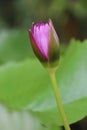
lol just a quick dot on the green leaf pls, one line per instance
(26, 85)
(14, 45)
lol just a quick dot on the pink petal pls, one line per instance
(41, 35)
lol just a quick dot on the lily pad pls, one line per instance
(26, 85)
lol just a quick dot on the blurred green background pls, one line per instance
(69, 16)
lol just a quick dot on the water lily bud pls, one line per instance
(45, 43)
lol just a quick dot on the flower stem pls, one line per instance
(58, 100)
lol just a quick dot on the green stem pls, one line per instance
(58, 100)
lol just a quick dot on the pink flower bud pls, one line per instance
(45, 43)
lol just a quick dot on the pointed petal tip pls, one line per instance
(32, 23)
(29, 30)
(50, 20)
